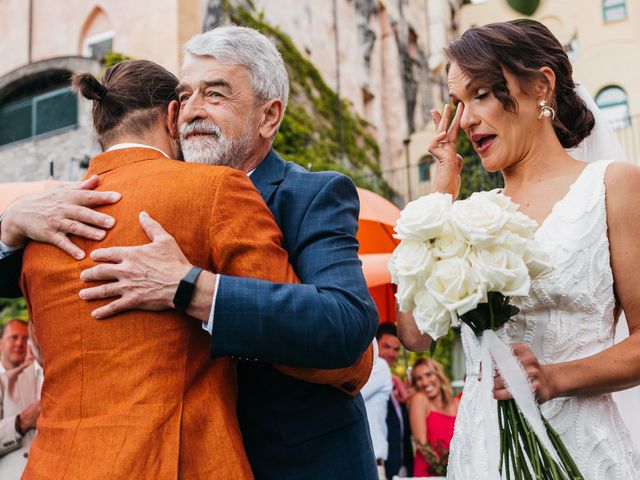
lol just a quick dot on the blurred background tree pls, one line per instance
(12, 308)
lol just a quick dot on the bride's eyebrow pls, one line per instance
(469, 86)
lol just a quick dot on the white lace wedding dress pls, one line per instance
(568, 315)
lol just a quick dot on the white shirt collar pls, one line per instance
(120, 146)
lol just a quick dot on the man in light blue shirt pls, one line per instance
(376, 394)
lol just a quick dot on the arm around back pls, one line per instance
(329, 320)
(10, 267)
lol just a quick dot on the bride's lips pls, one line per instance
(482, 142)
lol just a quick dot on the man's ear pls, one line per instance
(544, 90)
(172, 119)
(271, 116)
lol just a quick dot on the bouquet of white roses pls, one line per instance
(461, 261)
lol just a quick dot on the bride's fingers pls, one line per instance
(435, 114)
(460, 163)
(502, 394)
(436, 146)
(444, 120)
(454, 128)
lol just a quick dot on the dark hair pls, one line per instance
(522, 47)
(130, 96)
(386, 328)
(10, 322)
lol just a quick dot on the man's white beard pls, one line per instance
(212, 147)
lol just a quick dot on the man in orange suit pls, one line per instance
(139, 397)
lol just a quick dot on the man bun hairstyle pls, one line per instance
(522, 47)
(130, 97)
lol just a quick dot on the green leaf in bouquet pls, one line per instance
(432, 348)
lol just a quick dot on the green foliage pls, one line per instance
(442, 354)
(12, 308)
(474, 177)
(525, 7)
(113, 58)
(319, 130)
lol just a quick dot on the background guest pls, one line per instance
(432, 412)
(400, 451)
(19, 410)
(13, 344)
(377, 394)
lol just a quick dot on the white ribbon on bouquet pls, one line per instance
(496, 355)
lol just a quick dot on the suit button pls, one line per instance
(25, 454)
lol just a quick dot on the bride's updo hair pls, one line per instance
(131, 96)
(522, 47)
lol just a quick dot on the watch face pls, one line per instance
(185, 290)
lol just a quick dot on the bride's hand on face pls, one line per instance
(540, 376)
(443, 148)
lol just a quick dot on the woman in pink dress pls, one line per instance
(432, 414)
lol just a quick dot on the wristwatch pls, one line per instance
(185, 290)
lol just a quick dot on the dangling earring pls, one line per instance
(546, 110)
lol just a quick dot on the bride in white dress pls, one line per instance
(516, 101)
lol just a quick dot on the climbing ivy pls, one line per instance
(319, 131)
(12, 308)
(113, 58)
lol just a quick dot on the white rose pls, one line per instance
(521, 225)
(431, 316)
(501, 200)
(424, 218)
(454, 285)
(479, 219)
(448, 244)
(514, 243)
(537, 259)
(411, 258)
(501, 270)
(408, 286)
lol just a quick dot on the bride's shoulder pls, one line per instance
(622, 179)
(622, 185)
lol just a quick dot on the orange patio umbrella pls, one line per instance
(377, 218)
(11, 191)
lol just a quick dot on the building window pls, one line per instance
(97, 46)
(614, 10)
(424, 169)
(614, 105)
(37, 112)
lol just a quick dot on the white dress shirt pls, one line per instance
(376, 393)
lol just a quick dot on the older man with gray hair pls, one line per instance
(233, 94)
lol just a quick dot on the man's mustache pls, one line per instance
(199, 127)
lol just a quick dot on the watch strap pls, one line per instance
(185, 290)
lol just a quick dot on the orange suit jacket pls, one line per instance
(137, 396)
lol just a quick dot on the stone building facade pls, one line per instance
(382, 56)
(44, 41)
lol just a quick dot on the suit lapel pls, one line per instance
(269, 175)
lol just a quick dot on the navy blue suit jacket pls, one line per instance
(293, 429)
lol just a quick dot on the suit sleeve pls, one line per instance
(10, 267)
(326, 322)
(244, 237)
(247, 241)
(10, 440)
